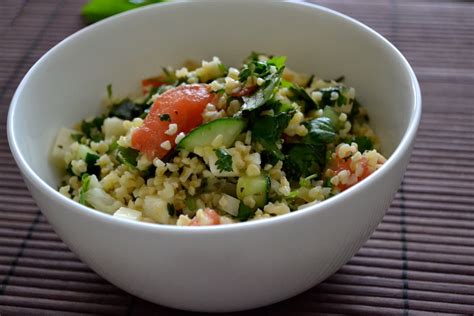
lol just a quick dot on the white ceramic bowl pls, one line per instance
(231, 267)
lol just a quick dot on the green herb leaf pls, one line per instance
(277, 61)
(92, 128)
(165, 117)
(91, 160)
(109, 91)
(191, 203)
(302, 160)
(320, 130)
(300, 93)
(364, 143)
(327, 96)
(265, 93)
(244, 213)
(85, 186)
(127, 156)
(267, 131)
(224, 160)
(96, 10)
(171, 209)
(76, 137)
(306, 182)
(127, 109)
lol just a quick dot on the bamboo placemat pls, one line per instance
(419, 261)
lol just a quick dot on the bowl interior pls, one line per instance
(68, 83)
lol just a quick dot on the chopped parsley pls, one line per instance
(267, 131)
(109, 91)
(127, 109)
(165, 117)
(302, 160)
(91, 160)
(92, 128)
(224, 160)
(86, 180)
(320, 130)
(127, 156)
(171, 209)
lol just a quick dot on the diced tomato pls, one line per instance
(340, 164)
(153, 82)
(210, 218)
(243, 92)
(183, 106)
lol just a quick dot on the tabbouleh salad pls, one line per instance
(211, 144)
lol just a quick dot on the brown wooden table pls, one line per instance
(419, 261)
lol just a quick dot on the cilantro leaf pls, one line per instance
(320, 130)
(224, 160)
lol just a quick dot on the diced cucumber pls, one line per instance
(203, 135)
(257, 187)
(61, 146)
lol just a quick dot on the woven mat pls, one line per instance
(420, 259)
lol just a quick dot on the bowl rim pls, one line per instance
(403, 146)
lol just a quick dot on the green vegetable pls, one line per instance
(332, 115)
(258, 187)
(92, 128)
(306, 182)
(127, 109)
(326, 98)
(244, 213)
(277, 61)
(320, 130)
(203, 135)
(224, 160)
(267, 131)
(85, 186)
(300, 93)
(109, 91)
(76, 137)
(263, 94)
(171, 209)
(165, 117)
(364, 143)
(96, 10)
(191, 203)
(127, 156)
(302, 160)
(91, 160)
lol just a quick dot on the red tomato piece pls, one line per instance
(183, 106)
